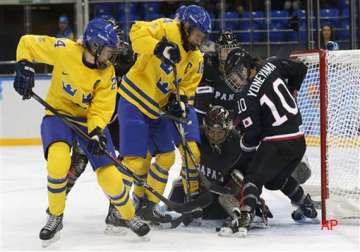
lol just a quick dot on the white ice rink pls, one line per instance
(24, 200)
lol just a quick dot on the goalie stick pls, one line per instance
(202, 200)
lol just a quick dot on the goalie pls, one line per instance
(220, 156)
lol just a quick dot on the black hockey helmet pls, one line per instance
(237, 69)
(218, 124)
(225, 43)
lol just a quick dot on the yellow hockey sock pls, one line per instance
(111, 181)
(158, 174)
(191, 166)
(58, 166)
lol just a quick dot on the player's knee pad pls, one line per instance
(165, 160)
(110, 179)
(139, 190)
(135, 164)
(195, 152)
(302, 171)
(59, 160)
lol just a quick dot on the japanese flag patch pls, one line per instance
(247, 122)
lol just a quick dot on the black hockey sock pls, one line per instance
(293, 190)
(250, 195)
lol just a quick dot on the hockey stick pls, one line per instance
(175, 119)
(181, 208)
(181, 132)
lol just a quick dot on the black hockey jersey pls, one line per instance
(213, 90)
(266, 108)
(217, 162)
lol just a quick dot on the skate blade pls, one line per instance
(118, 231)
(306, 220)
(259, 225)
(47, 243)
(227, 232)
(145, 238)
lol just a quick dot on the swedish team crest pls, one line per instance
(68, 89)
(86, 99)
(59, 43)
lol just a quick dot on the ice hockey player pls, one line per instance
(220, 163)
(83, 89)
(122, 59)
(269, 120)
(191, 132)
(148, 88)
(214, 89)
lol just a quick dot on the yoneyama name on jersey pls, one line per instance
(260, 78)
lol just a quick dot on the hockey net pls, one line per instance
(329, 101)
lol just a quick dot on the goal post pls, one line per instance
(329, 102)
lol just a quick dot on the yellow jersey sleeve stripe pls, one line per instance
(123, 90)
(141, 93)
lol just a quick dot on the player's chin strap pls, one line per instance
(181, 208)
(214, 188)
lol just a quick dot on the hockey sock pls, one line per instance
(193, 180)
(250, 196)
(158, 174)
(139, 190)
(58, 166)
(112, 183)
(293, 190)
(191, 166)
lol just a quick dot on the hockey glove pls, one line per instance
(24, 79)
(177, 108)
(98, 142)
(167, 52)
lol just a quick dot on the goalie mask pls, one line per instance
(217, 124)
(225, 43)
(237, 69)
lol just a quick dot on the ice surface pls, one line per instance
(23, 199)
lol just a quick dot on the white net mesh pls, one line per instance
(343, 133)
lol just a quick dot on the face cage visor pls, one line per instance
(224, 50)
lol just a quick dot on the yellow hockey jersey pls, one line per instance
(149, 82)
(76, 90)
